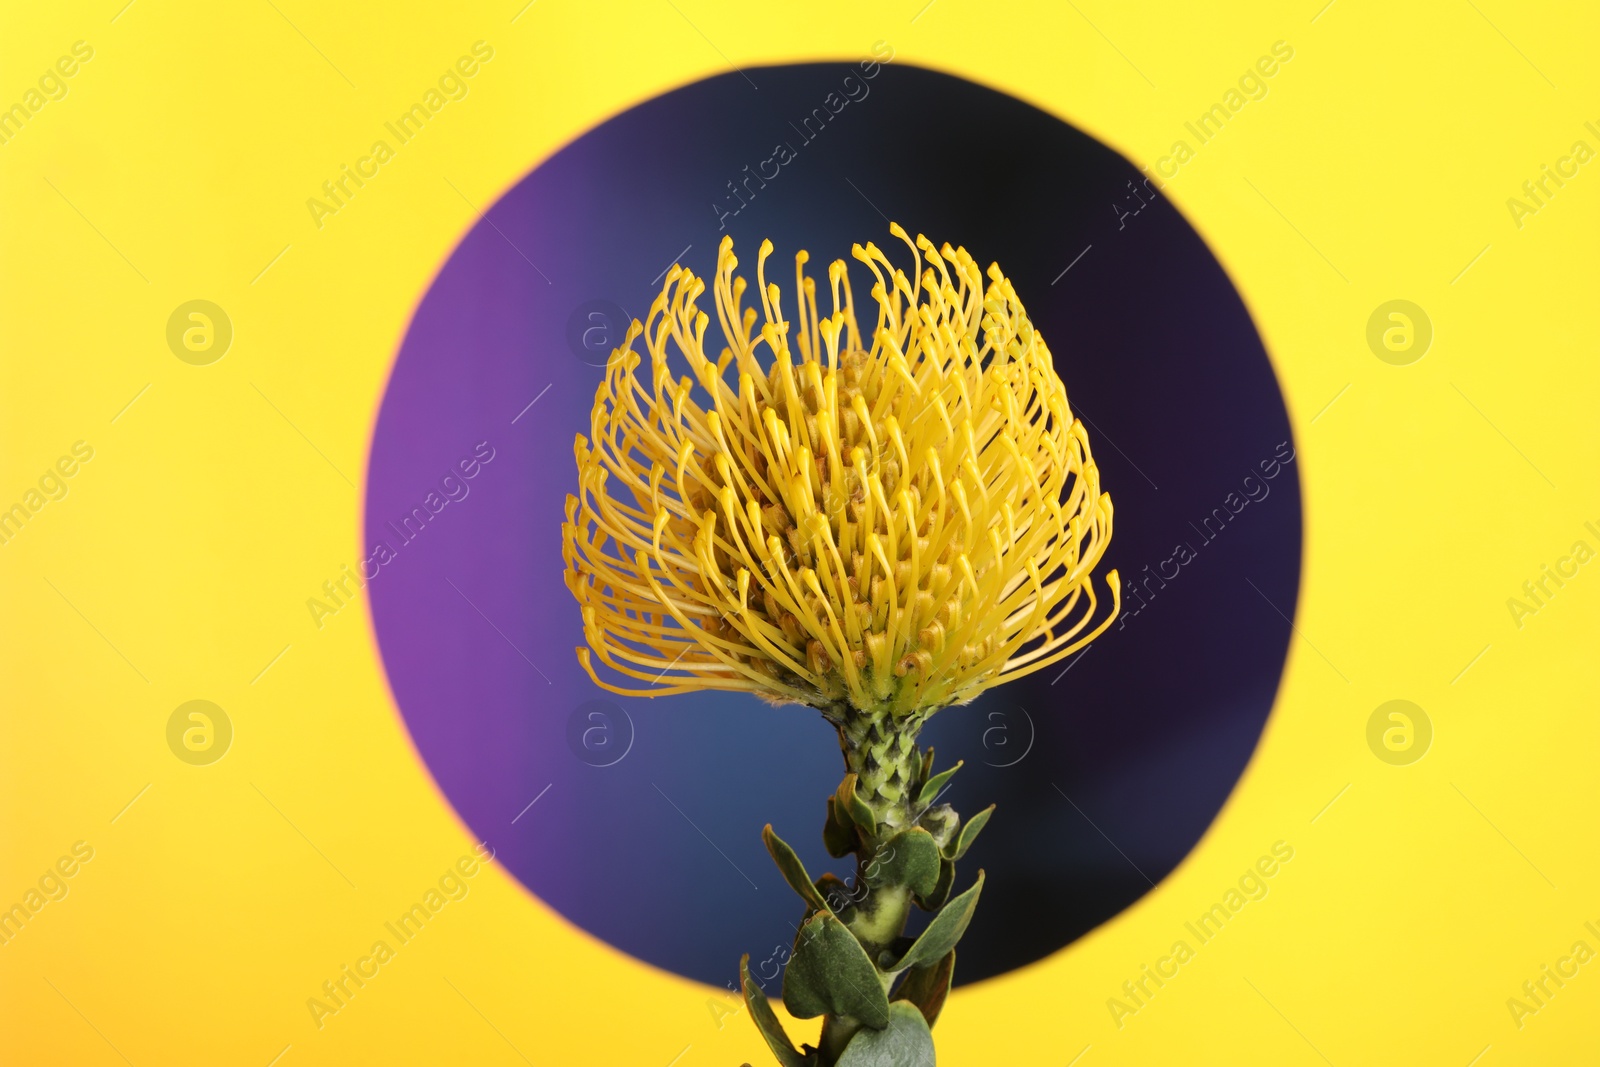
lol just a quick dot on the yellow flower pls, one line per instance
(890, 522)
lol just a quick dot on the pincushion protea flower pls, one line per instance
(879, 525)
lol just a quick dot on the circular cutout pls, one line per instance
(1106, 769)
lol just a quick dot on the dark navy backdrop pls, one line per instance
(1105, 775)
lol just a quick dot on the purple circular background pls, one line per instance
(1106, 776)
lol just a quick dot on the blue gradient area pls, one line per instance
(644, 824)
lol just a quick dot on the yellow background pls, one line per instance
(177, 168)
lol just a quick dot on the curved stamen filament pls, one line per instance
(897, 527)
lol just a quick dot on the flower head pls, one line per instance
(890, 521)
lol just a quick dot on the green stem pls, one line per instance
(837, 1030)
(899, 852)
(883, 754)
(878, 920)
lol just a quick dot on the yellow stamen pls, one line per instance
(814, 535)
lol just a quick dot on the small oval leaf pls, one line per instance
(941, 821)
(841, 901)
(943, 931)
(927, 987)
(934, 900)
(931, 787)
(850, 804)
(905, 1042)
(910, 859)
(831, 974)
(794, 872)
(766, 1019)
(839, 834)
(969, 833)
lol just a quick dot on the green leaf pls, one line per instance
(852, 805)
(794, 872)
(909, 859)
(931, 787)
(969, 833)
(905, 1042)
(830, 973)
(834, 890)
(766, 1020)
(943, 932)
(941, 889)
(941, 821)
(839, 834)
(927, 764)
(927, 987)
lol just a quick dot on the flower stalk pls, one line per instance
(878, 522)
